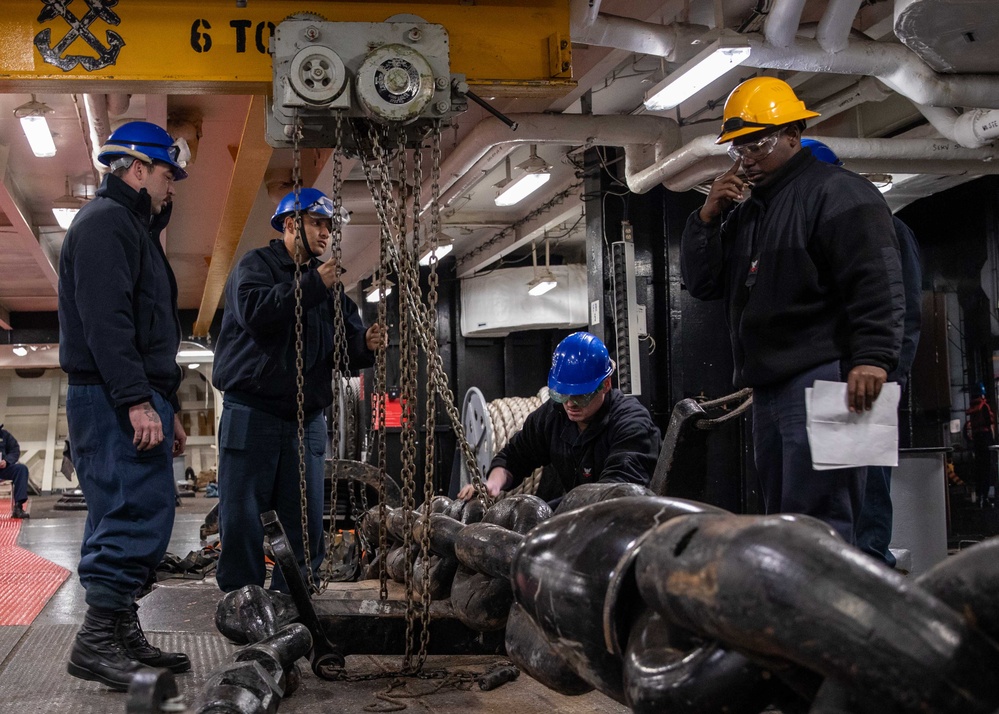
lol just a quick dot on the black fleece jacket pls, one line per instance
(621, 444)
(810, 272)
(10, 450)
(118, 323)
(255, 352)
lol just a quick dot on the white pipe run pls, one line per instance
(895, 65)
(867, 89)
(973, 129)
(833, 33)
(701, 160)
(99, 125)
(782, 23)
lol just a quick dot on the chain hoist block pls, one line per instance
(791, 590)
(395, 72)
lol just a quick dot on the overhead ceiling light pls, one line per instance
(373, 294)
(193, 366)
(197, 354)
(544, 281)
(66, 207)
(36, 128)
(535, 174)
(883, 182)
(445, 244)
(728, 51)
(20, 350)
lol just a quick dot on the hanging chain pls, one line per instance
(384, 203)
(341, 364)
(300, 255)
(430, 408)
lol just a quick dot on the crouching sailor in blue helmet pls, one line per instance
(586, 432)
(119, 334)
(255, 367)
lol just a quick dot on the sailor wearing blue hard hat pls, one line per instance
(586, 432)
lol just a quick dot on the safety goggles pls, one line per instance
(755, 151)
(322, 205)
(179, 152)
(580, 401)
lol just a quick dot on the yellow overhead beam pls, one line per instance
(511, 47)
(248, 169)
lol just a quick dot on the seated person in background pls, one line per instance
(586, 432)
(11, 470)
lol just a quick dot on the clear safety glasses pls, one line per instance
(580, 401)
(757, 150)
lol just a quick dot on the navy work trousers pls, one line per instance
(784, 459)
(131, 495)
(18, 473)
(258, 472)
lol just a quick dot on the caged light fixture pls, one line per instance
(66, 207)
(445, 244)
(36, 128)
(535, 173)
(544, 281)
(372, 294)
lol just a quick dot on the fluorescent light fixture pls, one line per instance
(883, 182)
(373, 294)
(444, 246)
(193, 366)
(65, 208)
(188, 354)
(20, 350)
(542, 284)
(546, 280)
(535, 174)
(716, 59)
(36, 128)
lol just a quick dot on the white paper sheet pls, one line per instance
(841, 439)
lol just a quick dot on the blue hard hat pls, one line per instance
(314, 201)
(821, 152)
(147, 142)
(579, 365)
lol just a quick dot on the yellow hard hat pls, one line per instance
(760, 103)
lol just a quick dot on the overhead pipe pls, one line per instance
(833, 33)
(588, 26)
(701, 160)
(782, 23)
(895, 65)
(99, 125)
(118, 104)
(973, 128)
(867, 89)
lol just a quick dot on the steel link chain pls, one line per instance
(340, 358)
(425, 322)
(300, 254)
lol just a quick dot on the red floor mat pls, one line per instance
(27, 581)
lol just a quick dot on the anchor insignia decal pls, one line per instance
(79, 27)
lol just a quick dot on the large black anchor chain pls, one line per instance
(79, 28)
(783, 590)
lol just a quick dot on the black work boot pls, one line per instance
(19, 511)
(133, 639)
(97, 654)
